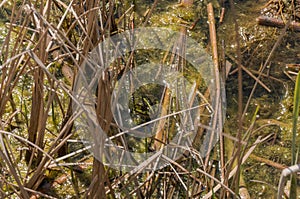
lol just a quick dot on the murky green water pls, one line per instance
(256, 44)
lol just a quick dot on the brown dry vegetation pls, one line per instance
(44, 44)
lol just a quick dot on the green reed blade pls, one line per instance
(293, 189)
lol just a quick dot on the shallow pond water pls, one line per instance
(275, 107)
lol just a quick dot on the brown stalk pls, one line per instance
(160, 136)
(92, 36)
(9, 69)
(105, 117)
(36, 131)
(12, 168)
(38, 176)
(213, 41)
(278, 23)
(97, 188)
(13, 71)
(11, 74)
(268, 162)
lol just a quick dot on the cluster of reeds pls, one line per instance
(44, 46)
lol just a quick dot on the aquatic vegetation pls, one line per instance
(43, 46)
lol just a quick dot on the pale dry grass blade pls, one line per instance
(234, 170)
(11, 166)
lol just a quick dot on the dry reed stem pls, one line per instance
(213, 41)
(12, 167)
(16, 61)
(161, 134)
